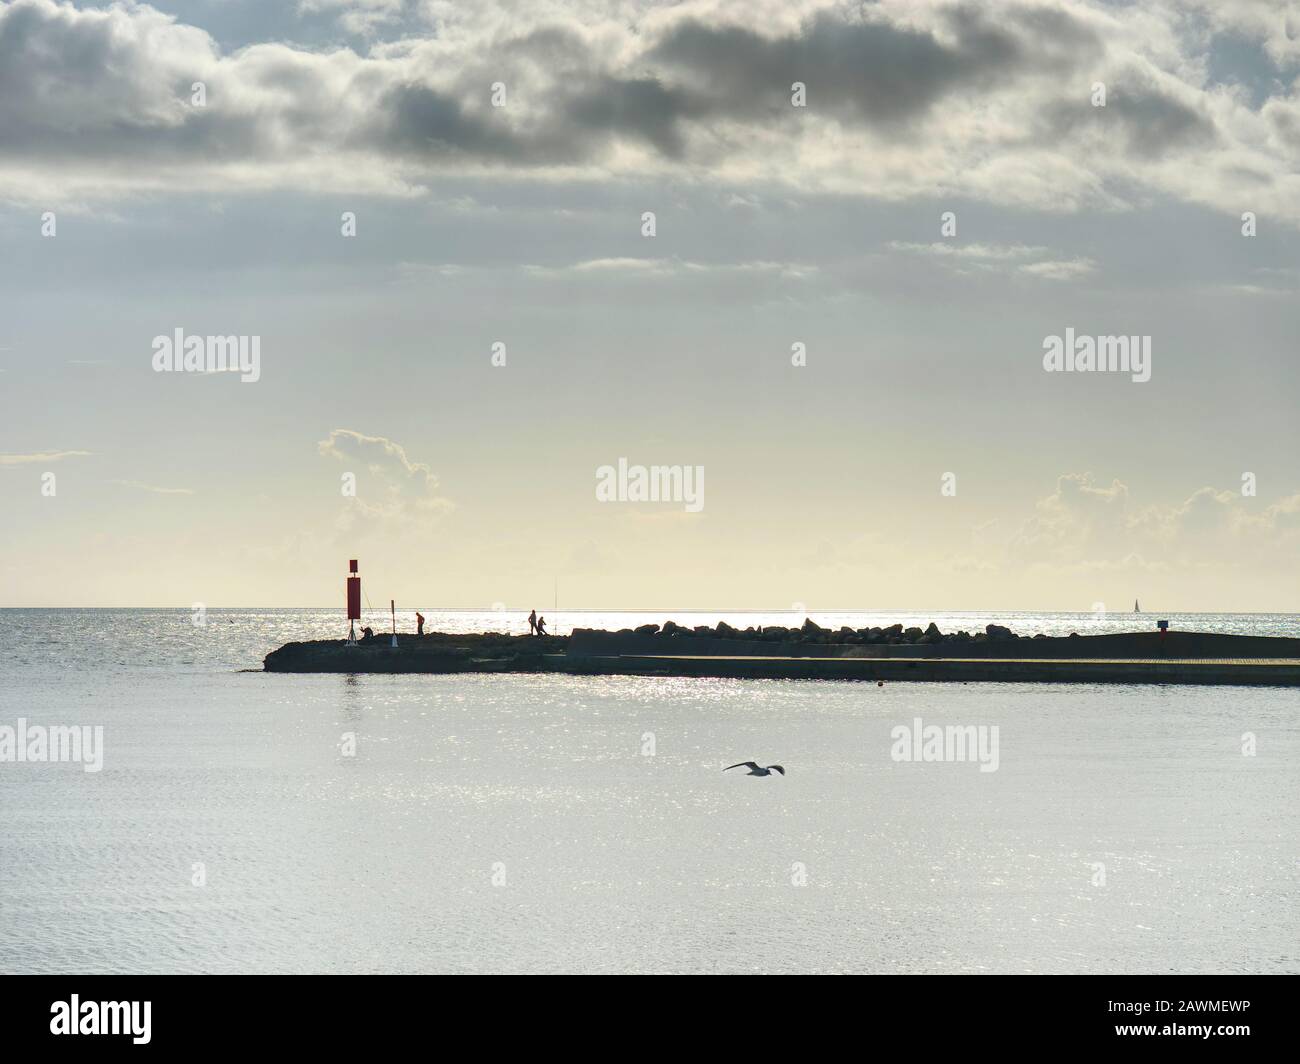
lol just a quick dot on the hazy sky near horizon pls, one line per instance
(775, 225)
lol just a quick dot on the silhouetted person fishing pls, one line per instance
(541, 625)
(532, 623)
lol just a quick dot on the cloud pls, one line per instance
(1081, 519)
(1059, 269)
(151, 488)
(963, 258)
(645, 268)
(969, 251)
(1086, 524)
(362, 17)
(612, 266)
(390, 488)
(1275, 24)
(984, 101)
(1151, 115)
(40, 456)
(875, 70)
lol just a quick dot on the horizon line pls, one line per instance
(693, 609)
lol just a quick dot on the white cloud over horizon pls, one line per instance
(391, 488)
(1085, 524)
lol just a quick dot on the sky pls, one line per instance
(869, 219)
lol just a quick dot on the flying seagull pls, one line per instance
(755, 769)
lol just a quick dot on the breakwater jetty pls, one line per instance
(811, 652)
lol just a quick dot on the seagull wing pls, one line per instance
(743, 764)
(777, 768)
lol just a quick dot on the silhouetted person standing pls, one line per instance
(541, 625)
(419, 623)
(532, 623)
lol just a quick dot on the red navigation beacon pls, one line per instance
(354, 602)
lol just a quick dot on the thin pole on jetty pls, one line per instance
(392, 605)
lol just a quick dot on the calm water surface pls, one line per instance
(517, 823)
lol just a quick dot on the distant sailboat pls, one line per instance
(1136, 607)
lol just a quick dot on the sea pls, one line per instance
(240, 821)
